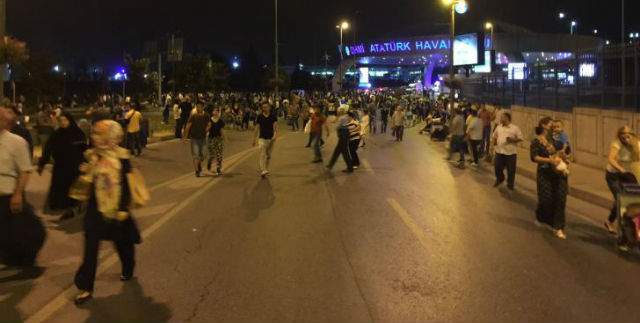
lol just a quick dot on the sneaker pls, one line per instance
(82, 297)
(125, 278)
(356, 167)
(610, 228)
(218, 171)
(264, 174)
(623, 248)
(197, 174)
(560, 234)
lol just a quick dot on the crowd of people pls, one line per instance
(93, 174)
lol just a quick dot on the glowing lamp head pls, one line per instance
(595, 31)
(561, 15)
(344, 25)
(574, 23)
(488, 26)
(461, 7)
(447, 2)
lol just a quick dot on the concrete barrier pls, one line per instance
(590, 130)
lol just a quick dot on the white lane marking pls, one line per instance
(63, 298)
(229, 160)
(408, 221)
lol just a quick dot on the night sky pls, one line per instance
(101, 30)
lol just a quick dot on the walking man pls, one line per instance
(318, 124)
(505, 140)
(196, 130)
(15, 168)
(342, 148)
(265, 136)
(134, 118)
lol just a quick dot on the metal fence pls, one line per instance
(595, 78)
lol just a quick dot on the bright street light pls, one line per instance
(489, 26)
(342, 27)
(595, 31)
(573, 26)
(607, 42)
(561, 15)
(459, 6)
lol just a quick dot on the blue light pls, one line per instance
(235, 65)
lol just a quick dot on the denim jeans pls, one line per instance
(197, 149)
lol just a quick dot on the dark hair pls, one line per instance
(507, 114)
(545, 121)
(539, 130)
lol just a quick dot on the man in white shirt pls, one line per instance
(15, 167)
(505, 140)
(475, 128)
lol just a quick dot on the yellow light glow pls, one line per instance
(488, 25)
(344, 25)
(447, 2)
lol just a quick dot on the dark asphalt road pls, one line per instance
(407, 238)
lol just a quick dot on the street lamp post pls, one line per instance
(277, 78)
(489, 26)
(573, 26)
(3, 26)
(623, 58)
(461, 8)
(342, 27)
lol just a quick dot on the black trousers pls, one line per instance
(180, 123)
(342, 148)
(86, 276)
(21, 235)
(134, 142)
(508, 162)
(476, 146)
(353, 152)
(383, 126)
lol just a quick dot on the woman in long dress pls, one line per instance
(65, 146)
(552, 186)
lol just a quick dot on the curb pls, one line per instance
(578, 193)
(575, 192)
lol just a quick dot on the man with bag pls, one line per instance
(16, 216)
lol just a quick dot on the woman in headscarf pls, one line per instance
(65, 146)
(104, 184)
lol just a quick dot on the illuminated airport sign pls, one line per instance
(467, 49)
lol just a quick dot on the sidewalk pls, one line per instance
(585, 183)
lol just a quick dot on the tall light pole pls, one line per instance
(3, 26)
(459, 6)
(489, 26)
(342, 27)
(623, 58)
(277, 76)
(574, 25)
